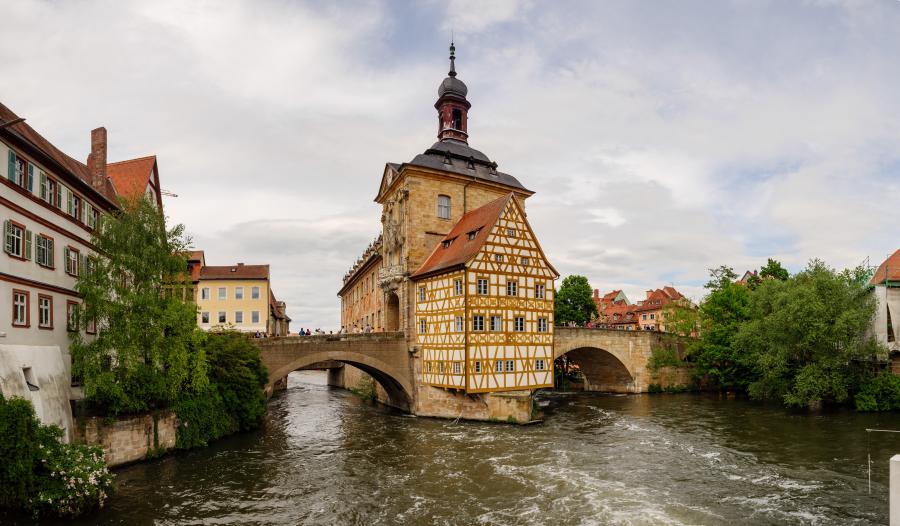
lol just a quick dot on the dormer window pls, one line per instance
(446, 243)
(471, 164)
(473, 233)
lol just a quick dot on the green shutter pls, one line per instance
(49, 244)
(58, 195)
(83, 267)
(30, 177)
(66, 260)
(28, 244)
(7, 233)
(69, 202)
(43, 186)
(12, 166)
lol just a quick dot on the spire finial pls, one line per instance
(452, 72)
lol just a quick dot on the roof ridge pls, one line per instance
(144, 158)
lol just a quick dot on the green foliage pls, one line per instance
(774, 270)
(654, 389)
(880, 393)
(681, 318)
(41, 474)
(574, 301)
(806, 337)
(233, 401)
(664, 356)
(721, 314)
(145, 355)
(720, 277)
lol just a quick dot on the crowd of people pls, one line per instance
(355, 329)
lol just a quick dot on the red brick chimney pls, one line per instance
(97, 159)
(596, 294)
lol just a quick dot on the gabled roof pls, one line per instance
(239, 271)
(888, 270)
(462, 249)
(130, 178)
(79, 170)
(273, 307)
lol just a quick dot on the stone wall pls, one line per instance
(666, 377)
(128, 439)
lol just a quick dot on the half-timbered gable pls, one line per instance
(485, 298)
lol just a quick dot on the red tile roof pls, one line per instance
(131, 177)
(239, 271)
(76, 168)
(461, 248)
(889, 269)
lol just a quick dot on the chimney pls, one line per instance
(97, 159)
(240, 264)
(596, 294)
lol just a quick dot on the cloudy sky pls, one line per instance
(662, 138)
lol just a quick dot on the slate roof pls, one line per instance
(892, 264)
(131, 177)
(239, 271)
(457, 157)
(461, 248)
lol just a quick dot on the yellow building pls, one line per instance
(362, 306)
(484, 304)
(236, 297)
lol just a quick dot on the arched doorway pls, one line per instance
(392, 312)
(602, 370)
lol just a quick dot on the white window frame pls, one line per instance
(223, 293)
(204, 293)
(422, 295)
(512, 288)
(44, 251)
(222, 316)
(20, 309)
(539, 364)
(477, 366)
(539, 289)
(510, 366)
(459, 324)
(496, 323)
(423, 326)
(239, 293)
(254, 316)
(457, 368)
(519, 324)
(498, 366)
(498, 258)
(457, 287)
(14, 240)
(254, 293)
(204, 317)
(45, 306)
(482, 286)
(443, 206)
(239, 317)
(478, 323)
(542, 324)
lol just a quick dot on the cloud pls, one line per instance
(661, 140)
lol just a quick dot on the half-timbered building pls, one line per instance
(484, 304)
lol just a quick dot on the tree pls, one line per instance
(136, 296)
(574, 301)
(720, 277)
(774, 270)
(722, 313)
(807, 337)
(681, 318)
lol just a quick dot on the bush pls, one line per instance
(881, 393)
(234, 400)
(666, 356)
(42, 475)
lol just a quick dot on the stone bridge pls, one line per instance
(610, 360)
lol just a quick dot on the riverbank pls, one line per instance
(325, 456)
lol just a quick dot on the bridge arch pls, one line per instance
(393, 379)
(602, 370)
(610, 360)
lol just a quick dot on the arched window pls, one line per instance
(443, 206)
(457, 119)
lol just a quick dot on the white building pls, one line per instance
(886, 288)
(49, 205)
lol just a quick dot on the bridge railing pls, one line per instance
(319, 338)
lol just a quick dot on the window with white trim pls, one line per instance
(45, 312)
(459, 324)
(482, 286)
(510, 366)
(421, 293)
(204, 293)
(542, 324)
(457, 369)
(524, 261)
(254, 293)
(222, 317)
(239, 317)
(498, 258)
(496, 323)
(519, 324)
(204, 318)
(511, 232)
(72, 261)
(443, 206)
(423, 326)
(254, 317)
(539, 364)
(14, 239)
(239, 293)
(512, 288)
(539, 291)
(457, 287)
(498, 366)
(20, 308)
(71, 316)
(477, 365)
(223, 294)
(21, 176)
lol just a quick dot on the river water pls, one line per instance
(328, 457)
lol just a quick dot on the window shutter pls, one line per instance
(69, 203)
(12, 166)
(30, 177)
(50, 262)
(28, 244)
(83, 265)
(58, 195)
(7, 233)
(44, 195)
(66, 260)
